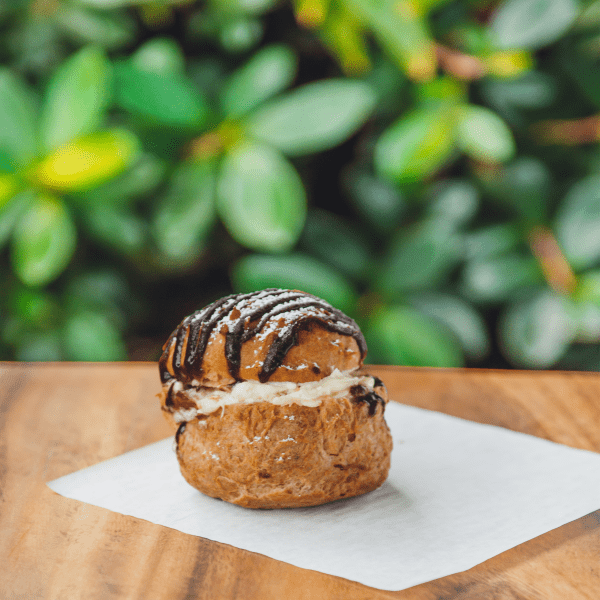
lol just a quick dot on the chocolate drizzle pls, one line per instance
(244, 316)
(362, 394)
(377, 382)
(180, 430)
(169, 398)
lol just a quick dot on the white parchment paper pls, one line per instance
(458, 493)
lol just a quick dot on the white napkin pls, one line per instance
(458, 493)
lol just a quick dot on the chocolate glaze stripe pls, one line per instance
(195, 330)
(197, 324)
(201, 325)
(237, 336)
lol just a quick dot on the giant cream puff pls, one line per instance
(270, 403)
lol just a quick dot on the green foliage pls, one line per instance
(18, 138)
(185, 214)
(484, 136)
(415, 146)
(405, 336)
(260, 198)
(295, 271)
(75, 99)
(269, 72)
(314, 117)
(538, 331)
(430, 167)
(169, 100)
(578, 222)
(43, 241)
(532, 23)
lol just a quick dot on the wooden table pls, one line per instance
(58, 418)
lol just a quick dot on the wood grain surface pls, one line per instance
(58, 418)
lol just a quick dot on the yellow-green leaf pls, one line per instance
(87, 161)
(416, 145)
(8, 188)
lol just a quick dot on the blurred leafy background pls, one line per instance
(431, 167)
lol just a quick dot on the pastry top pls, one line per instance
(270, 335)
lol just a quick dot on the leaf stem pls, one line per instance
(556, 269)
(568, 132)
(462, 66)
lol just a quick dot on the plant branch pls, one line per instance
(556, 269)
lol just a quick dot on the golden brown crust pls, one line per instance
(263, 455)
(317, 354)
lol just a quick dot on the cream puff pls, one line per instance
(271, 406)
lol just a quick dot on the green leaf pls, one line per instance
(116, 226)
(587, 317)
(142, 177)
(336, 242)
(415, 146)
(106, 291)
(498, 278)
(43, 242)
(260, 198)
(91, 336)
(76, 98)
(378, 202)
(268, 72)
(580, 357)
(578, 222)
(536, 333)
(314, 117)
(170, 101)
(531, 24)
(579, 61)
(454, 200)
(34, 308)
(525, 185)
(533, 90)
(9, 186)
(407, 337)
(17, 120)
(39, 347)
(10, 214)
(588, 288)
(491, 241)
(161, 56)
(240, 34)
(294, 271)
(87, 161)
(484, 136)
(111, 30)
(187, 212)
(459, 317)
(419, 258)
(441, 91)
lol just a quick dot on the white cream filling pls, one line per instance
(310, 393)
